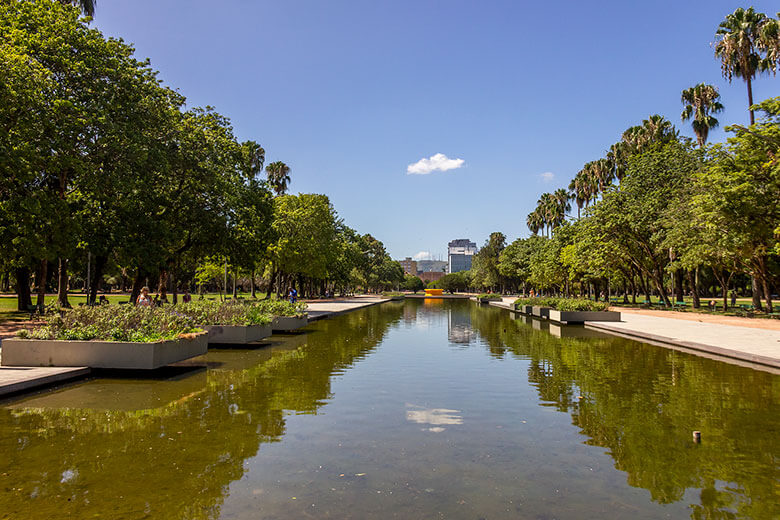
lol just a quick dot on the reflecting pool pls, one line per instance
(416, 409)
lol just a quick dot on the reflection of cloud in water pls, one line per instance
(433, 416)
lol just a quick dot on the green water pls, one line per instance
(405, 410)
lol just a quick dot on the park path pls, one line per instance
(739, 341)
(755, 341)
(320, 309)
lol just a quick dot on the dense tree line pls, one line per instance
(106, 171)
(661, 214)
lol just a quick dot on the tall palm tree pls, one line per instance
(576, 193)
(534, 221)
(743, 35)
(701, 101)
(563, 206)
(278, 176)
(87, 6)
(252, 159)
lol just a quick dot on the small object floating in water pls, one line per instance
(697, 436)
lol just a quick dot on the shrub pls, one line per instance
(391, 294)
(205, 312)
(113, 323)
(489, 296)
(564, 304)
(275, 307)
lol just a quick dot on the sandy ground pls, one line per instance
(754, 323)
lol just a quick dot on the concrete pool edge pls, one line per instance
(722, 354)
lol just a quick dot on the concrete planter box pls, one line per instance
(285, 323)
(525, 309)
(540, 312)
(396, 298)
(582, 316)
(102, 354)
(236, 334)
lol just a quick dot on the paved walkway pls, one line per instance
(754, 345)
(328, 308)
(18, 379)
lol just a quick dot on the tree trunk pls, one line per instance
(162, 285)
(252, 284)
(659, 284)
(678, 285)
(138, 283)
(756, 293)
(174, 287)
(97, 277)
(750, 101)
(42, 275)
(270, 283)
(24, 298)
(694, 288)
(235, 279)
(62, 284)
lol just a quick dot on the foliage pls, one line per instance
(231, 312)
(485, 264)
(412, 283)
(276, 307)
(489, 296)
(564, 304)
(114, 323)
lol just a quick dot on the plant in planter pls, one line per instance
(227, 322)
(489, 297)
(393, 295)
(286, 315)
(107, 336)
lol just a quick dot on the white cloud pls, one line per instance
(438, 162)
(547, 176)
(423, 255)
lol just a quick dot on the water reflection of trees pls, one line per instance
(178, 460)
(642, 402)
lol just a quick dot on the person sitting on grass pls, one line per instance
(144, 300)
(713, 305)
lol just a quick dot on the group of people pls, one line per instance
(146, 300)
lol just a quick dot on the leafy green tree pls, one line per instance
(412, 283)
(305, 233)
(631, 217)
(484, 267)
(741, 191)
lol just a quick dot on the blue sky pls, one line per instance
(349, 94)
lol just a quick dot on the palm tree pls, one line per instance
(743, 35)
(252, 159)
(278, 176)
(534, 221)
(701, 101)
(563, 206)
(87, 6)
(576, 193)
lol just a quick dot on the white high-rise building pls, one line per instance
(459, 255)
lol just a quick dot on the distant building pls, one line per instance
(459, 255)
(431, 276)
(431, 266)
(409, 265)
